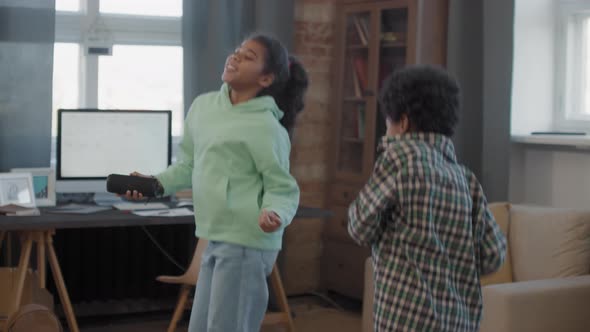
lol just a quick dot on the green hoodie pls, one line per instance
(237, 159)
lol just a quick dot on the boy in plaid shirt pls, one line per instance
(425, 215)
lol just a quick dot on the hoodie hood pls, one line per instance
(258, 104)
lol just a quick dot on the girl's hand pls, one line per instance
(135, 196)
(269, 221)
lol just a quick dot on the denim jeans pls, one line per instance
(231, 293)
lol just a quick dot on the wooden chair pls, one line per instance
(186, 282)
(189, 279)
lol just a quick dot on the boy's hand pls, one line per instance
(269, 221)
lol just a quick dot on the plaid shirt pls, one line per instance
(432, 235)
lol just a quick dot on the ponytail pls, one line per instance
(290, 80)
(291, 98)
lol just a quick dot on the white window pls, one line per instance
(142, 65)
(66, 81)
(159, 87)
(67, 5)
(142, 7)
(573, 66)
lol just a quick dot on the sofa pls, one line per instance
(544, 284)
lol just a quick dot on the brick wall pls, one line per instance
(314, 32)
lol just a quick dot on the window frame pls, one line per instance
(573, 17)
(122, 29)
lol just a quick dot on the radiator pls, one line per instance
(109, 269)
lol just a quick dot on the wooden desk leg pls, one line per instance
(59, 283)
(8, 250)
(41, 259)
(2, 233)
(277, 286)
(21, 273)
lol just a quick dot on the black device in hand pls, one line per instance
(119, 184)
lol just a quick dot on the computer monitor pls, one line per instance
(91, 144)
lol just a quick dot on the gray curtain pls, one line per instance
(26, 63)
(465, 61)
(480, 54)
(498, 54)
(213, 28)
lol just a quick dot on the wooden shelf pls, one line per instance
(393, 44)
(352, 140)
(354, 100)
(357, 47)
(372, 38)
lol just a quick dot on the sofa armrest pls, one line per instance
(542, 305)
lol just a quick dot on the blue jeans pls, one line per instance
(231, 293)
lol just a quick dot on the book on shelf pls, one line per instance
(17, 210)
(354, 123)
(358, 91)
(364, 22)
(360, 66)
(361, 121)
(360, 31)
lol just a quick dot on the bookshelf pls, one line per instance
(373, 39)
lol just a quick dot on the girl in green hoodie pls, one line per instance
(235, 154)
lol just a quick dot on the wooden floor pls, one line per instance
(311, 315)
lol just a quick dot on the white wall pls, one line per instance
(532, 80)
(550, 176)
(541, 175)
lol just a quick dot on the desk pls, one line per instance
(40, 230)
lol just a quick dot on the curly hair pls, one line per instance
(427, 95)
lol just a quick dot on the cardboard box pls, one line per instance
(32, 293)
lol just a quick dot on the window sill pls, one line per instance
(579, 142)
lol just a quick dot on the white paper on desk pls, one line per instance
(140, 206)
(179, 212)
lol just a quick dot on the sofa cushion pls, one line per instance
(549, 242)
(501, 212)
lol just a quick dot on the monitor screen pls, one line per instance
(91, 144)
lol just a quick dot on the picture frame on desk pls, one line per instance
(17, 188)
(43, 184)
